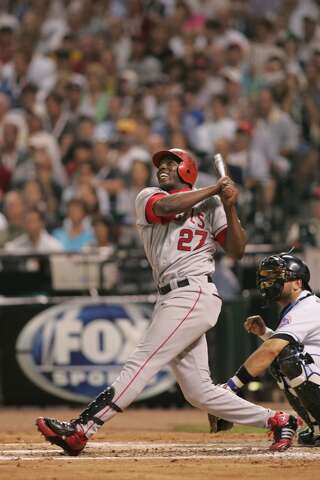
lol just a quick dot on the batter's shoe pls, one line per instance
(218, 424)
(307, 438)
(283, 427)
(67, 435)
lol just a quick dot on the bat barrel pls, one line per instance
(219, 165)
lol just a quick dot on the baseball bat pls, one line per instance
(219, 165)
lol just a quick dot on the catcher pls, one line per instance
(292, 351)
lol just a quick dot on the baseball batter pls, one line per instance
(180, 228)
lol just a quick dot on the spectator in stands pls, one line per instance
(51, 191)
(14, 211)
(218, 125)
(282, 128)
(87, 187)
(139, 177)
(95, 101)
(11, 150)
(74, 91)
(108, 175)
(103, 246)
(41, 145)
(79, 152)
(129, 149)
(233, 90)
(304, 230)
(11, 154)
(252, 169)
(36, 238)
(76, 231)
(56, 120)
(4, 109)
(102, 231)
(85, 128)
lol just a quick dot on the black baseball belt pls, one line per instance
(180, 283)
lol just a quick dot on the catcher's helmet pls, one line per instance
(187, 169)
(275, 270)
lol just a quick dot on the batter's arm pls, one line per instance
(236, 237)
(184, 201)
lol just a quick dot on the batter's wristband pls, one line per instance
(242, 377)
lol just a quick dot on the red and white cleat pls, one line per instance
(64, 434)
(283, 427)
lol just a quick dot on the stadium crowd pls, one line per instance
(90, 89)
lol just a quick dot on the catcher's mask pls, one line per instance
(187, 169)
(274, 271)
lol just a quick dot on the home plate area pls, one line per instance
(139, 451)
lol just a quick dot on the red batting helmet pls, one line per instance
(187, 169)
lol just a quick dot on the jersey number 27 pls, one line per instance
(186, 237)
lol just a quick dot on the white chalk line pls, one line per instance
(37, 452)
(133, 445)
(138, 445)
(247, 456)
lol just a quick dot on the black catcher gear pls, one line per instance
(293, 372)
(308, 438)
(274, 271)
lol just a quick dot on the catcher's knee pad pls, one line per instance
(309, 395)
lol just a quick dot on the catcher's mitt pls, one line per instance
(218, 424)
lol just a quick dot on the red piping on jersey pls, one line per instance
(221, 236)
(149, 213)
(150, 357)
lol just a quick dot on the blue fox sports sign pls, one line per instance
(75, 350)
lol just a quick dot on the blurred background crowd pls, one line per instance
(90, 89)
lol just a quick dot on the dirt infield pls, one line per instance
(148, 444)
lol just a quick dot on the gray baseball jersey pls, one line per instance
(185, 246)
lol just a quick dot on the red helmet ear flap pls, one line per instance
(187, 169)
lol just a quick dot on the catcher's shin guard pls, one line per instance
(309, 395)
(298, 407)
(292, 398)
(303, 377)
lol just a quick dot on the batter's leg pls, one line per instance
(192, 373)
(180, 318)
